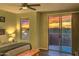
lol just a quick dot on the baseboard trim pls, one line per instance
(43, 48)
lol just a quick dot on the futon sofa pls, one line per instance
(14, 49)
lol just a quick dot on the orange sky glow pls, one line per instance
(54, 22)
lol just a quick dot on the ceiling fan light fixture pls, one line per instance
(24, 8)
(27, 6)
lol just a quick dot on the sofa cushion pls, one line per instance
(4, 49)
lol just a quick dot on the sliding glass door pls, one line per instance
(59, 33)
(54, 33)
(66, 34)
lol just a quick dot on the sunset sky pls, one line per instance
(54, 22)
(25, 24)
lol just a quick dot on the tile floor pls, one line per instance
(53, 53)
(64, 48)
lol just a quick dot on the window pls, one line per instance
(24, 29)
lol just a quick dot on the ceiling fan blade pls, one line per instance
(24, 4)
(31, 8)
(34, 4)
(20, 8)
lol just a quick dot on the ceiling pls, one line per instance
(14, 7)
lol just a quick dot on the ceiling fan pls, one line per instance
(28, 6)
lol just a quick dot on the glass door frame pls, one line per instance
(70, 34)
(60, 25)
(59, 31)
